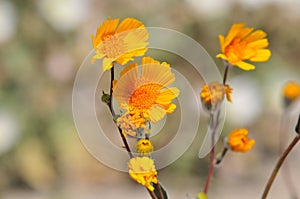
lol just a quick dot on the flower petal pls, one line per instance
(232, 33)
(166, 96)
(256, 35)
(258, 44)
(245, 66)
(129, 24)
(261, 55)
(107, 28)
(156, 113)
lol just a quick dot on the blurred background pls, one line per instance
(42, 45)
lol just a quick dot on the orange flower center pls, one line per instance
(145, 96)
(235, 50)
(113, 46)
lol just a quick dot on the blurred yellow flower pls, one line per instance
(243, 44)
(144, 146)
(142, 170)
(291, 91)
(239, 142)
(201, 195)
(146, 95)
(119, 43)
(212, 94)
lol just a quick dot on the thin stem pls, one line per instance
(286, 172)
(220, 158)
(278, 165)
(112, 77)
(226, 72)
(126, 145)
(161, 195)
(151, 193)
(215, 125)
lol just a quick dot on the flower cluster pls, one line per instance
(142, 91)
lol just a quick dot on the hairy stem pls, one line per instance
(278, 165)
(214, 125)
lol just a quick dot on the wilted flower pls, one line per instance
(238, 141)
(212, 94)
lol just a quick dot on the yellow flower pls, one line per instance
(142, 170)
(291, 91)
(239, 142)
(212, 94)
(119, 43)
(144, 146)
(243, 44)
(146, 95)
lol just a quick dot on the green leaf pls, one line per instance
(156, 191)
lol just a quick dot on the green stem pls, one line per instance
(278, 165)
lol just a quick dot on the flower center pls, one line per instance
(113, 46)
(235, 50)
(145, 96)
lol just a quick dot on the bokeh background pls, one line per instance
(42, 45)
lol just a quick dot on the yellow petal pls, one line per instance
(262, 43)
(232, 33)
(171, 109)
(261, 55)
(97, 56)
(129, 24)
(256, 35)
(244, 32)
(222, 56)
(222, 42)
(166, 96)
(107, 28)
(245, 66)
(107, 64)
(153, 71)
(157, 112)
(123, 59)
(128, 68)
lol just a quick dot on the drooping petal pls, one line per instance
(156, 113)
(245, 66)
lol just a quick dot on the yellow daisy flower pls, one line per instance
(242, 44)
(119, 43)
(291, 91)
(142, 170)
(144, 146)
(212, 94)
(146, 94)
(238, 141)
